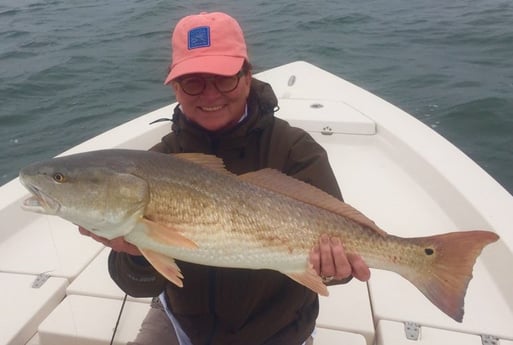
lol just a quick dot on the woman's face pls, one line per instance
(212, 109)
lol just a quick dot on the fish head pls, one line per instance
(102, 196)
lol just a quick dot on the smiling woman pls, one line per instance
(224, 111)
(214, 102)
(210, 73)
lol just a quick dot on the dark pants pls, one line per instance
(156, 329)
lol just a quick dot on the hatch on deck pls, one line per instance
(326, 117)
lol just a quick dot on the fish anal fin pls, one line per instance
(310, 279)
(165, 266)
(281, 183)
(166, 234)
(451, 260)
(209, 161)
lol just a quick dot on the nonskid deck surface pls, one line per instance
(56, 289)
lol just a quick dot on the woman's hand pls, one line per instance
(331, 262)
(117, 244)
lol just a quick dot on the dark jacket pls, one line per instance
(237, 306)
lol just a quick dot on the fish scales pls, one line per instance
(247, 220)
(188, 207)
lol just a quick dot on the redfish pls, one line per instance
(189, 207)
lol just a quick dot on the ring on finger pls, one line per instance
(327, 279)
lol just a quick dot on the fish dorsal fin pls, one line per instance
(208, 161)
(280, 183)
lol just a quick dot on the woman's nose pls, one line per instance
(210, 89)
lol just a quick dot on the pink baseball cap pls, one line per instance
(207, 43)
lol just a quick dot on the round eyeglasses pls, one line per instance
(195, 85)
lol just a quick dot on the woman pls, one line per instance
(224, 111)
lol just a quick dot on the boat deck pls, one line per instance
(56, 288)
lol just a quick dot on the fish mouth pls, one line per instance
(40, 202)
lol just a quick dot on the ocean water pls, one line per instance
(71, 69)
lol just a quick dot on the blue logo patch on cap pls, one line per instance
(199, 37)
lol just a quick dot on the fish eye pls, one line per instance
(59, 177)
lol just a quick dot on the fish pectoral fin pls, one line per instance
(311, 280)
(167, 235)
(165, 266)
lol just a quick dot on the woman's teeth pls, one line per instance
(212, 108)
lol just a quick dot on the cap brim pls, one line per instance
(220, 65)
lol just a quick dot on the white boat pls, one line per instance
(55, 288)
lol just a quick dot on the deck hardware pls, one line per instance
(40, 280)
(292, 80)
(316, 105)
(489, 340)
(327, 130)
(412, 330)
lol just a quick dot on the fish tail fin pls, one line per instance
(310, 279)
(449, 261)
